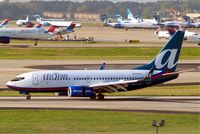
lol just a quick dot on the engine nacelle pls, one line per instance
(5, 40)
(117, 26)
(80, 91)
(61, 94)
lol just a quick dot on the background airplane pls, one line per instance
(36, 34)
(55, 23)
(21, 22)
(4, 23)
(93, 83)
(132, 23)
(191, 36)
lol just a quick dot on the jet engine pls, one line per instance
(117, 26)
(80, 91)
(4, 39)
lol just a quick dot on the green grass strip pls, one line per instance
(190, 90)
(91, 53)
(94, 122)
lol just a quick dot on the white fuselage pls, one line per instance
(65, 78)
(59, 23)
(25, 33)
(152, 21)
(130, 24)
(187, 35)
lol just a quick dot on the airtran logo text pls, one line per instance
(161, 62)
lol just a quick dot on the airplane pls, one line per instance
(132, 18)
(23, 22)
(35, 33)
(176, 24)
(138, 25)
(196, 24)
(132, 23)
(192, 36)
(93, 83)
(4, 23)
(107, 22)
(69, 29)
(55, 23)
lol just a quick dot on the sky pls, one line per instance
(84, 0)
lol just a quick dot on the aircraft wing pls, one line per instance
(115, 86)
(121, 84)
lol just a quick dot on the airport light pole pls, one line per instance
(157, 125)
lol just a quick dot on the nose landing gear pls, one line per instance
(28, 97)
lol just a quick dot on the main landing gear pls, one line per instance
(36, 41)
(98, 97)
(28, 96)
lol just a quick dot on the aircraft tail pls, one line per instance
(102, 66)
(39, 25)
(27, 18)
(171, 30)
(4, 23)
(71, 27)
(51, 29)
(38, 19)
(119, 19)
(130, 15)
(167, 59)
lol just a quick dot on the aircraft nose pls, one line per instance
(10, 84)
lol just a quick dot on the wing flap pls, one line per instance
(113, 86)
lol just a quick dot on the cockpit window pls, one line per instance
(18, 79)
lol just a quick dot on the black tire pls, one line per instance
(28, 97)
(100, 97)
(93, 97)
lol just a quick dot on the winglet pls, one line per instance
(102, 66)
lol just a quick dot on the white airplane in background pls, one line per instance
(4, 23)
(132, 18)
(36, 34)
(133, 23)
(23, 22)
(191, 36)
(139, 25)
(93, 83)
(67, 30)
(55, 23)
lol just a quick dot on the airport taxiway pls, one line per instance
(187, 104)
(105, 37)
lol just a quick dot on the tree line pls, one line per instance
(16, 10)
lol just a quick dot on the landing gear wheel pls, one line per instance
(93, 97)
(28, 97)
(100, 97)
(36, 41)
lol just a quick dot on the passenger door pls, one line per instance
(35, 79)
